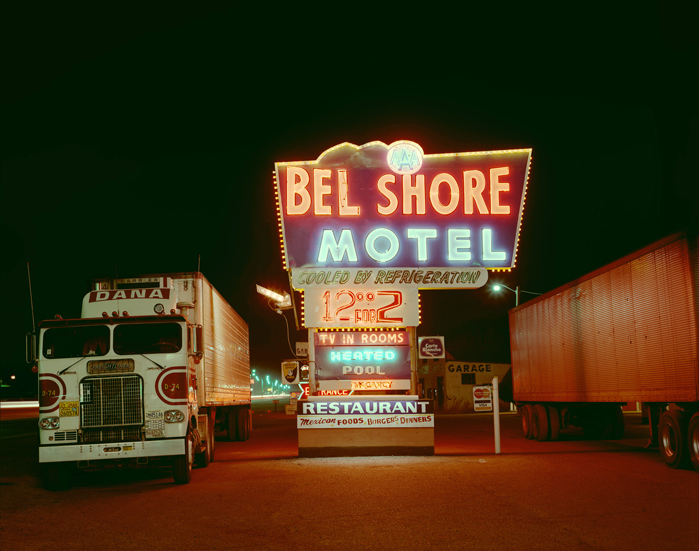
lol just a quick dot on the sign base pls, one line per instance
(351, 426)
(366, 442)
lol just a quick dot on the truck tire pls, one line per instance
(182, 464)
(533, 415)
(204, 458)
(554, 422)
(693, 440)
(243, 424)
(672, 438)
(212, 420)
(231, 425)
(617, 432)
(526, 415)
(56, 477)
(542, 420)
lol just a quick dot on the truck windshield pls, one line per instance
(73, 342)
(147, 338)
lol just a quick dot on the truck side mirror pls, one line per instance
(195, 335)
(199, 341)
(30, 352)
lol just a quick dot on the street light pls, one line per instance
(516, 291)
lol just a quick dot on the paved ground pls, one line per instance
(571, 494)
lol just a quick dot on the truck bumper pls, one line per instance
(115, 450)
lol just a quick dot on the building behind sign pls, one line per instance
(450, 383)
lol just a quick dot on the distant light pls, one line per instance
(13, 377)
(281, 300)
(496, 287)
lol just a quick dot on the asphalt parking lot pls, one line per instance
(570, 494)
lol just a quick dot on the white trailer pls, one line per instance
(146, 373)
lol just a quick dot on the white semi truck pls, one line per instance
(143, 377)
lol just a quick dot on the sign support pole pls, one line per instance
(496, 414)
(413, 360)
(311, 363)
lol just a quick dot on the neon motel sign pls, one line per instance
(382, 207)
(368, 360)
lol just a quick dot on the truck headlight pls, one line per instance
(174, 416)
(50, 423)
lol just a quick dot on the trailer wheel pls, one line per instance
(693, 440)
(672, 431)
(182, 464)
(231, 425)
(554, 422)
(243, 422)
(212, 420)
(57, 477)
(526, 414)
(534, 423)
(617, 432)
(542, 420)
(593, 430)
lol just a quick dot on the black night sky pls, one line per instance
(135, 141)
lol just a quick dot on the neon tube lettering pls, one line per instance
(370, 245)
(296, 184)
(388, 194)
(410, 191)
(472, 192)
(345, 208)
(422, 235)
(488, 253)
(337, 250)
(458, 240)
(496, 186)
(437, 205)
(319, 190)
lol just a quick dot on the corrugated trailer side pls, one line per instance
(226, 359)
(224, 391)
(624, 333)
(627, 332)
(223, 370)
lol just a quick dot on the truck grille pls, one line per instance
(65, 436)
(111, 402)
(103, 435)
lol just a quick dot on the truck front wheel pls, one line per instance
(693, 440)
(672, 431)
(182, 464)
(206, 456)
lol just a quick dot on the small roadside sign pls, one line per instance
(302, 350)
(482, 398)
(291, 372)
(430, 347)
